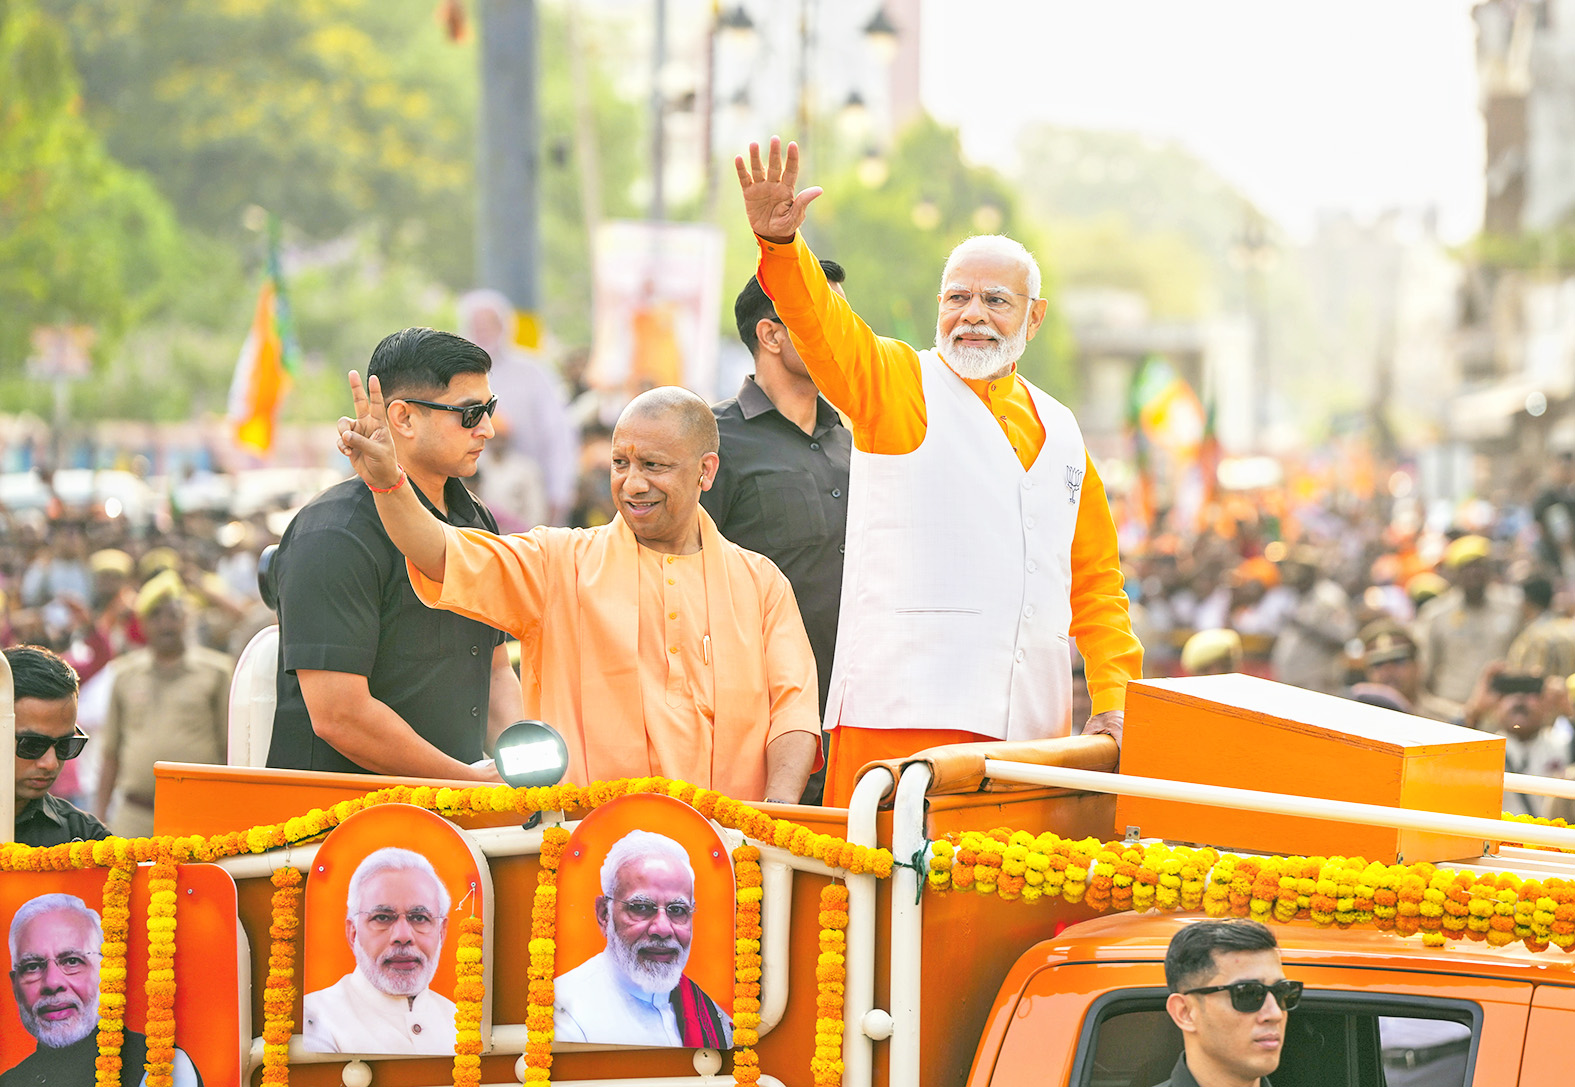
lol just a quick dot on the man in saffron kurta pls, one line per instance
(979, 537)
(652, 643)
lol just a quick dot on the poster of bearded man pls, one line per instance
(55, 950)
(382, 921)
(655, 880)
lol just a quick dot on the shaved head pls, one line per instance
(688, 415)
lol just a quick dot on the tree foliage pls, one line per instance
(353, 120)
(336, 115)
(1138, 213)
(83, 240)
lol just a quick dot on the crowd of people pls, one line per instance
(908, 547)
(1466, 624)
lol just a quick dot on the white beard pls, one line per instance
(981, 362)
(392, 982)
(58, 1035)
(650, 977)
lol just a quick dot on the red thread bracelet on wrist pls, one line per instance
(400, 482)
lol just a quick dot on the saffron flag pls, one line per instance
(268, 359)
(1166, 422)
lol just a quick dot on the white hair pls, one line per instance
(393, 859)
(640, 845)
(52, 903)
(996, 245)
(486, 300)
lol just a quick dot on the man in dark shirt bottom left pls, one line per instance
(47, 737)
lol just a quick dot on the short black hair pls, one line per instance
(1538, 591)
(38, 673)
(416, 361)
(1190, 957)
(753, 306)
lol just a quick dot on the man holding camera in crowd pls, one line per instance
(1531, 710)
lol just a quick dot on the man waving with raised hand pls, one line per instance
(979, 537)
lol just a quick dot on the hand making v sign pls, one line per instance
(366, 439)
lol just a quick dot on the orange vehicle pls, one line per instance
(1006, 923)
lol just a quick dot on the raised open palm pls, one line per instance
(366, 439)
(775, 210)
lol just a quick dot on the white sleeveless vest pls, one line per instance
(956, 587)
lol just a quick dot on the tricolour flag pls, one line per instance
(266, 363)
(1166, 422)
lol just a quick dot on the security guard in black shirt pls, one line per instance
(782, 486)
(47, 736)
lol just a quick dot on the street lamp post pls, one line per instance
(508, 240)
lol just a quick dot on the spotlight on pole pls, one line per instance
(531, 754)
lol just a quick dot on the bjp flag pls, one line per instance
(266, 363)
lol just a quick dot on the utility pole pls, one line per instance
(659, 115)
(508, 229)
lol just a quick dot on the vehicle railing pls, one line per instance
(1539, 786)
(1337, 811)
(7, 743)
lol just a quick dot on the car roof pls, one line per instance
(1129, 937)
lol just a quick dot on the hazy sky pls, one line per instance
(1303, 104)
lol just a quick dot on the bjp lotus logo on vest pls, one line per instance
(1074, 483)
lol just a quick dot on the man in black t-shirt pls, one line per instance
(370, 679)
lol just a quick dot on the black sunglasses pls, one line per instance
(30, 745)
(469, 414)
(1248, 996)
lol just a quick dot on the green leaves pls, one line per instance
(83, 240)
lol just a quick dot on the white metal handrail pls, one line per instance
(1338, 811)
(907, 934)
(861, 1024)
(1539, 786)
(7, 743)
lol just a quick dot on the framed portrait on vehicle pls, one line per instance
(645, 929)
(384, 899)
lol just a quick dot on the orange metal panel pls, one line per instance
(1038, 1047)
(1546, 1061)
(1249, 733)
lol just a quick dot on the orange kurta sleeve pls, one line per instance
(497, 580)
(872, 380)
(1111, 653)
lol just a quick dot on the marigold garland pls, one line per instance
(543, 949)
(748, 894)
(831, 977)
(1538, 820)
(279, 990)
(160, 986)
(1440, 904)
(734, 814)
(470, 988)
(112, 974)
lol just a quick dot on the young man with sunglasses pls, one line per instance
(47, 737)
(1230, 997)
(370, 679)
